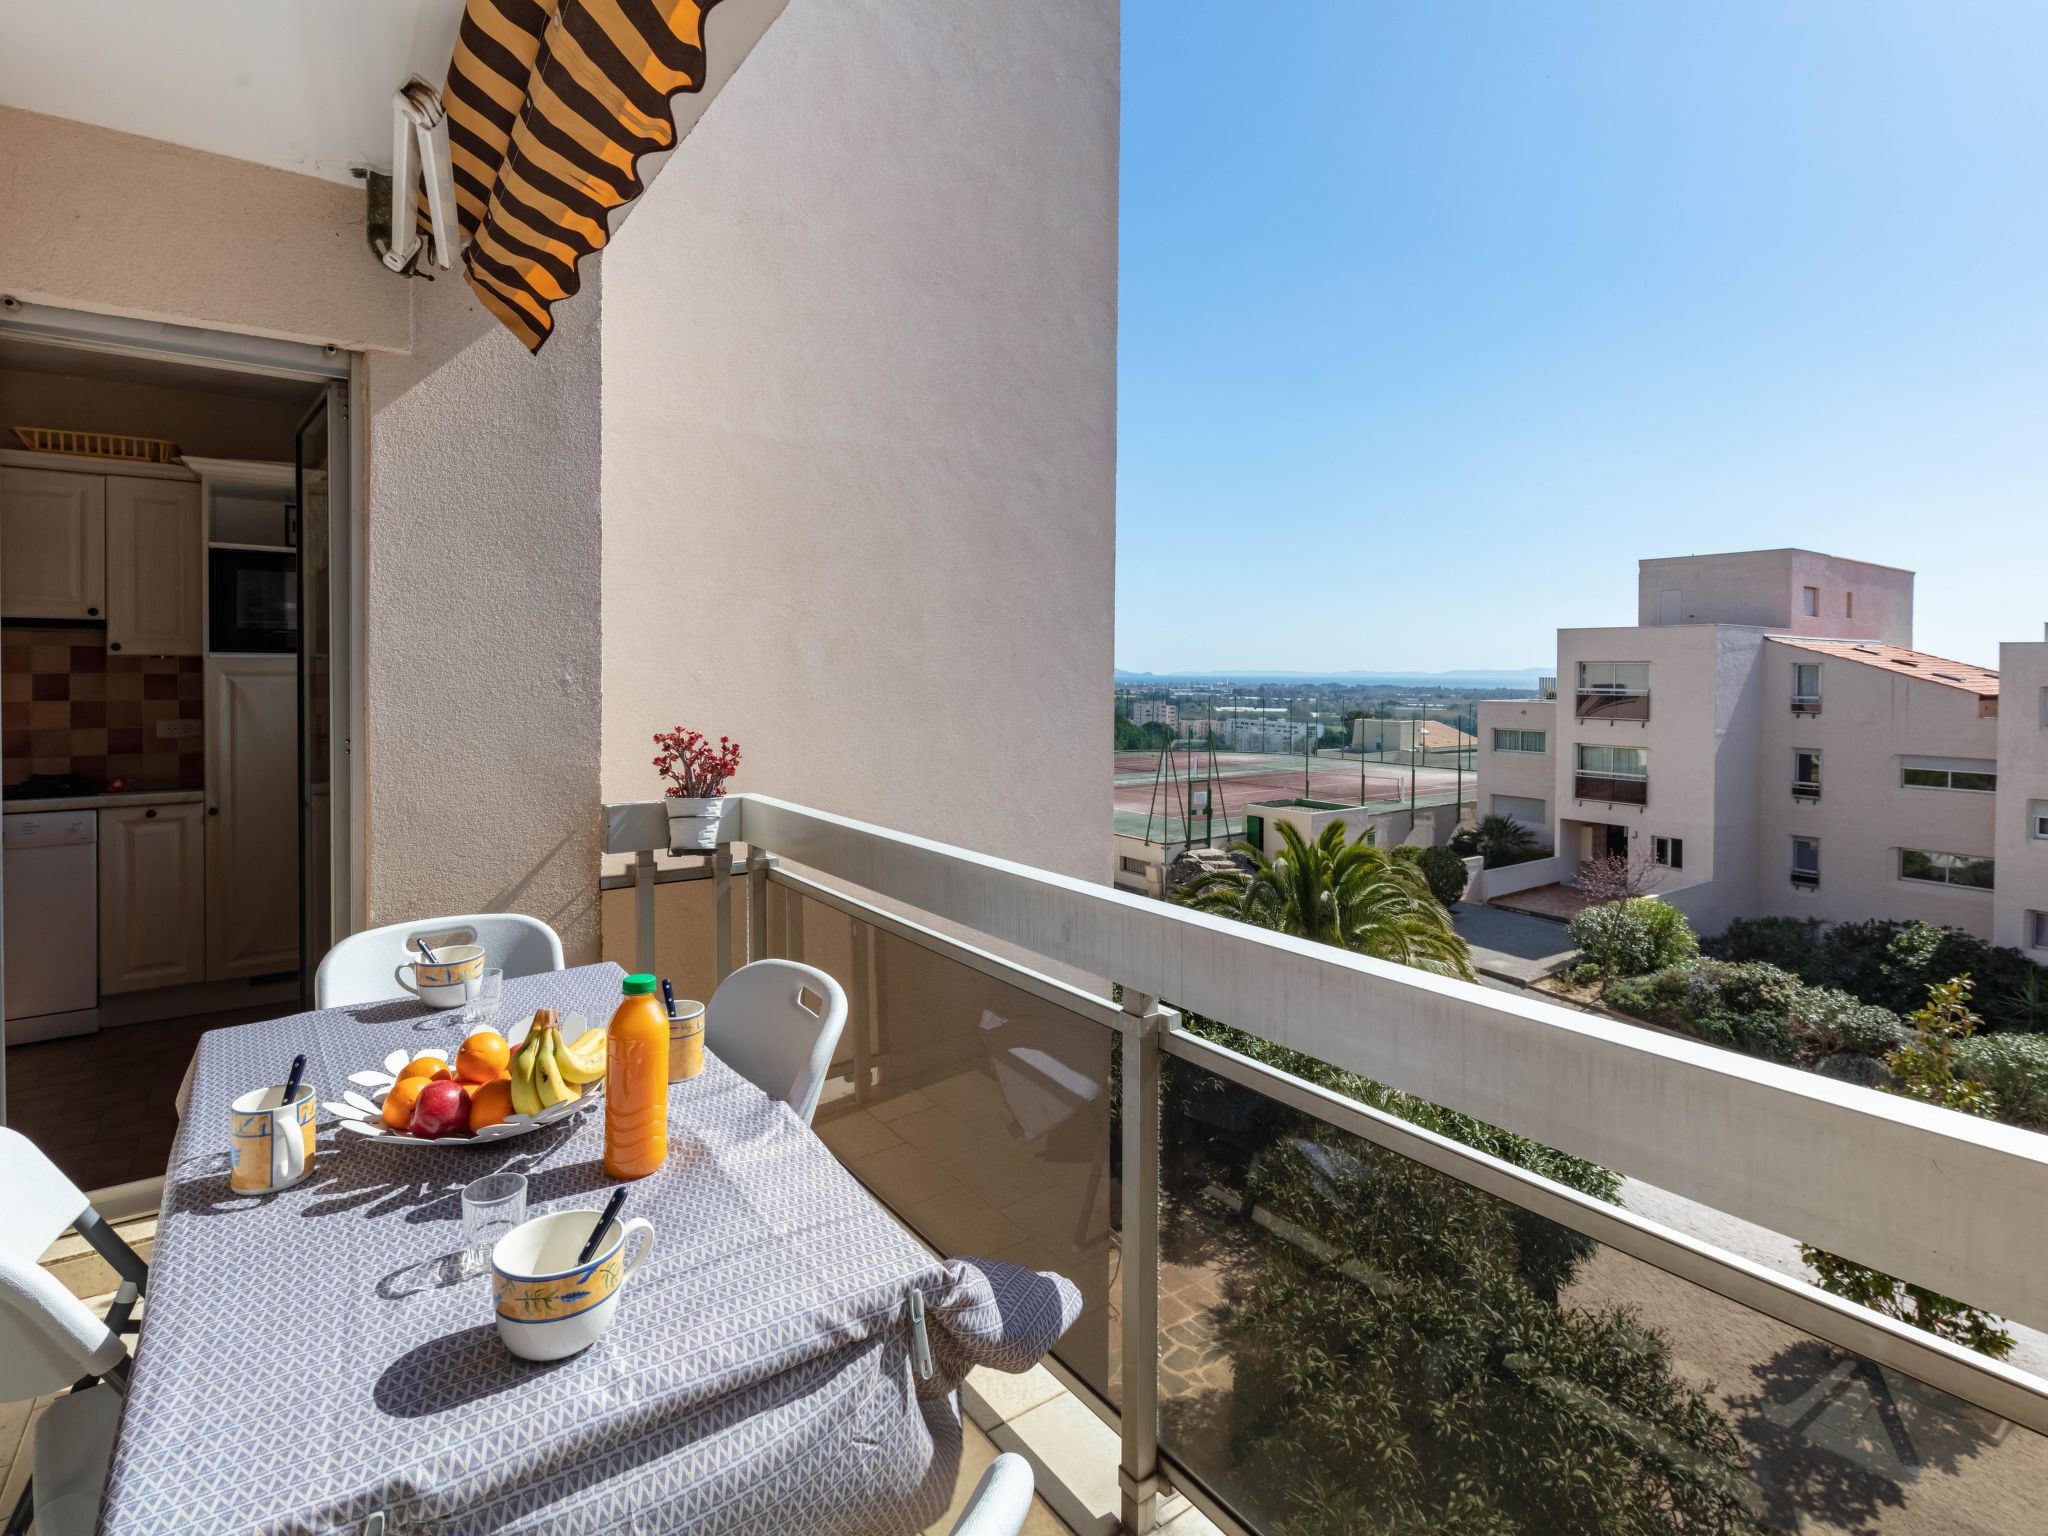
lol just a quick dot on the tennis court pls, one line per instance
(1245, 778)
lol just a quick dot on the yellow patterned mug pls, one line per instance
(548, 1306)
(449, 980)
(272, 1140)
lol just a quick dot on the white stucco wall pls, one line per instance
(97, 220)
(2022, 782)
(1524, 775)
(859, 426)
(1763, 588)
(482, 664)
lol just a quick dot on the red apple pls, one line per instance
(442, 1109)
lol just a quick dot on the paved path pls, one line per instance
(1511, 946)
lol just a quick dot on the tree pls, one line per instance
(1128, 737)
(1499, 839)
(1441, 867)
(1338, 892)
(1928, 1068)
(1618, 876)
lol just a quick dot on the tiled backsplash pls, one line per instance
(68, 705)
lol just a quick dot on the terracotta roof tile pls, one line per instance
(1981, 681)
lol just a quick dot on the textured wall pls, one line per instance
(859, 467)
(107, 221)
(481, 681)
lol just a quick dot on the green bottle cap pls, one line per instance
(634, 986)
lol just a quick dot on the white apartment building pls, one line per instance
(1766, 741)
(1152, 712)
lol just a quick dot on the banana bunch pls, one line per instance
(547, 1070)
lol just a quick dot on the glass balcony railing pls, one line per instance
(1315, 1302)
(1616, 791)
(1613, 704)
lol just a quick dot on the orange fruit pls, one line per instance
(399, 1101)
(432, 1068)
(484, 1056)
(489, 1103)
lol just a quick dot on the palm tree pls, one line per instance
(1501, 837)
(1338, 892)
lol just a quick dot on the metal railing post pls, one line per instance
(721, 904)
(643, 909)
(758, 864)
(1138, 1347)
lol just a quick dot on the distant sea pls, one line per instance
(1524, 678)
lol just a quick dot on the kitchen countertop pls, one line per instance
(112, 801)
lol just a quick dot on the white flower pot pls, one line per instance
(693, 824)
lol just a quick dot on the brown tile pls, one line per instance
(124, 684)
(87, 712)
(88, 743)
(49, 658)
(88, 658)
(188, 709)
(94, 768)
(154, 710)
(49, 765)
(124, 712)
(49, 715)
(14, 687)
(191, 685)
(191, 746)
(14, 717)
(14, 656)
(50, 685)
(124, 739)
(196, 665)
(132, 766)
(14, 744)
(160, 685)
(50, 743)
(88, 685)
(192, 773)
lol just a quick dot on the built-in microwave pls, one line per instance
(253, 600)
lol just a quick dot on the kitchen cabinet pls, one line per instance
(252, 815)
(53, 529)
(155, 577)
(152, 897)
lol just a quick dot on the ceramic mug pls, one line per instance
(272, 1140)
(548, 1306)
(450, 980)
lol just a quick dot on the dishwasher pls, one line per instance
(52, 923)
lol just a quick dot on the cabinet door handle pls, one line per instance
(149, 815)
(213, 810)
(92, 613)
(115, 646)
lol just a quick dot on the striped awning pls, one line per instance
(551, 104)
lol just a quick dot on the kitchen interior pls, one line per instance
(152, 799)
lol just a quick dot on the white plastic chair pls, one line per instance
(50, 1340)
(359, 968)
(1001, 1499)
(761, 1025)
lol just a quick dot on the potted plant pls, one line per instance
(696, 771)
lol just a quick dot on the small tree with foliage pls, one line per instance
(1441, 867)
(1618, 876)
(1633, 937)
(1928, 1067)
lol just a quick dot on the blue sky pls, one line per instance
(1437, 316)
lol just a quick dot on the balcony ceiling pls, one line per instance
(303, 85)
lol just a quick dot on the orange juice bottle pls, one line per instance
(636, 1083)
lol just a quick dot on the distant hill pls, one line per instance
(1524, 677)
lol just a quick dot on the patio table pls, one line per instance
(314, 1357)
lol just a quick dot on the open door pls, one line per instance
(326, 649)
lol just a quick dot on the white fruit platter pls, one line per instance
(556, 1094)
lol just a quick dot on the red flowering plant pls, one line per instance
(694, 767)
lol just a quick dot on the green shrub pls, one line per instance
(1672, 997)
(2015, 1070)
(1828, 1020)
(1445, 872)
(1633, 937)
(1790, 943)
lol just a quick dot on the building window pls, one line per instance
(1978, 776)
(1806, 687)
(1806, 775)
(1809, 601)
(1806, 862)
(1614, 677)
(2044, 709)
(1849, 605)
(1133, 866)
(1945, 868)
(1520, 741)
(1613, 762)
(2037, 819)
(1668, 851)
(2037, 930)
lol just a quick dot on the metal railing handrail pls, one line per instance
(1715, 1126)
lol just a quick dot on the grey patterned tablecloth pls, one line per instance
(310, 1357)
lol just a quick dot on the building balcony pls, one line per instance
(1806, 704)
(1191, 1119)
(1615, 791)
(1608, 704)
(1805, 791)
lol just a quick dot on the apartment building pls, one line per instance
(1152, 712)
(1765, 740)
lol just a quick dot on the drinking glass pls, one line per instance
(490, 992)
(491, 1207)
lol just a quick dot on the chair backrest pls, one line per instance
(1000, 1501)
(358, 969)
(776, 1023)
(48, 1337)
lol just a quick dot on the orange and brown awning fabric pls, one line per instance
(551, 104)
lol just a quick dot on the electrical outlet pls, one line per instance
(171, 729)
